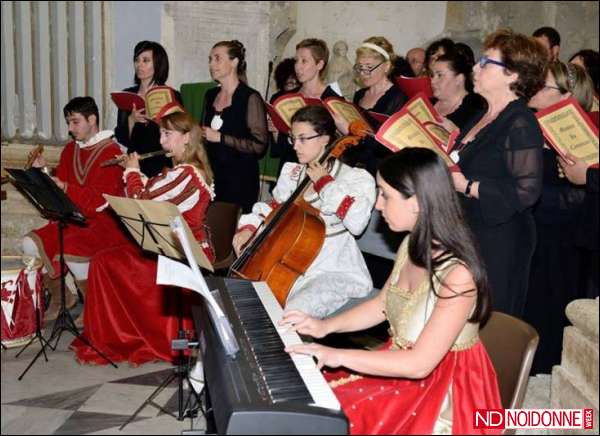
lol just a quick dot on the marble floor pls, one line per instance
(62, 396)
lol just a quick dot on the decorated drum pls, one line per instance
(21, 296)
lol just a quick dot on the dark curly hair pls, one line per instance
(283, 71)
(522, 55)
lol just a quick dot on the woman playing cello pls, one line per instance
(344, 197)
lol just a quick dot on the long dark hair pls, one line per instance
(440, 224)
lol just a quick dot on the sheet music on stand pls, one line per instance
(175, 273)
(148, 221)
(44, 194)
(159, 227)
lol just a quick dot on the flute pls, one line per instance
(118, 160)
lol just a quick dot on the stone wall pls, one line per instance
(271, 30)
(575, 380)
(18, 215)
(577, 22)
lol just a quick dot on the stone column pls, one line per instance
(575, 380)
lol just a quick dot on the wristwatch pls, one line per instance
(468, 188)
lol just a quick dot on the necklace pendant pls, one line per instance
(217, 122)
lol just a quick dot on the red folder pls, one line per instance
(125, 100)
(413, 85)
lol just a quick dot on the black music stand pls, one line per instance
(149, 223)
(53, 204)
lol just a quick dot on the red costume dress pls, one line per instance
(86, 181)
(127, 315)
(442, 402)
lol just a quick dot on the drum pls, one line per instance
(21, 296)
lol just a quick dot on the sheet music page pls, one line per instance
(221, 322)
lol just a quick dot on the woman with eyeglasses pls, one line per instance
(500, 158)
(311, 58)
(557, 274)
(235, 126)
(452, 86)
(374, 66)
(343, 195)
(375, 60)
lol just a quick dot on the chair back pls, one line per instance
(222, 219)
(511, 345)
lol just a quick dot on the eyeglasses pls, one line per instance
(301, 139)
(362, 69)
(484, 60)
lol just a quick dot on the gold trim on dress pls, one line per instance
(345, 380)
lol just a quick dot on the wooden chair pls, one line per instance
(511, 345)
(222, 219)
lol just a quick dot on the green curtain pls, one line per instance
(193, 101)
(193, 97)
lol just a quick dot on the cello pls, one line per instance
(293, 233)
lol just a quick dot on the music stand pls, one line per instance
(148, 222)
(53, 204)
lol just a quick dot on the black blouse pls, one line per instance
(144, 138)
(506, 158)
(472, 106)
(244, 134)
(368, 153)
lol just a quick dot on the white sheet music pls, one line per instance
(170, 272)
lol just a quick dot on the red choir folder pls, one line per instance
(158, 101)
(379, 117)
(403, 130)
(567, 128)
(283, 109)
(413, 85)
(346, 110)
(125, 100)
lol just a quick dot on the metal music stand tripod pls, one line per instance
(149, 223)
(53, 204)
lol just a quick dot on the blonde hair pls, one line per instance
(384, 44)
(573, 78)
(195, 153)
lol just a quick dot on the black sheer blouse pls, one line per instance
(506, 158)
(244, 135)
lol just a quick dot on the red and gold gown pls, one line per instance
(127, 315)
(444, 401)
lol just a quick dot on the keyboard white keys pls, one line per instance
(321, 393)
